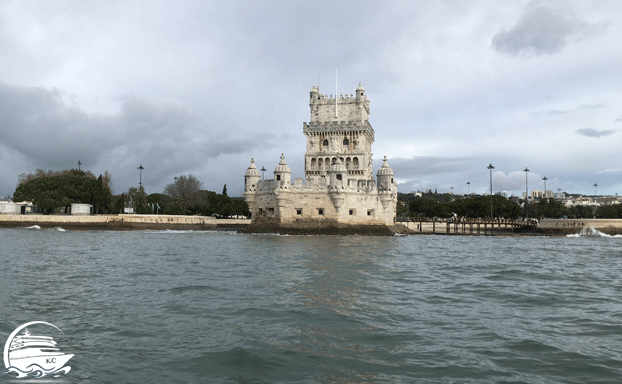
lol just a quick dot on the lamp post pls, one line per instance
(490, 167)
(545, 179)
(452, 190)
(468, 186)
(140, 180)
(595, 185)
(79, 163)
(526, 194)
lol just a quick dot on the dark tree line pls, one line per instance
(471, 207)
(51, 192)
(479, 206)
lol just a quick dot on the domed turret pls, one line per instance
(282, 174)
(314, 95)
(385, 177)
(251, 180)
(360, 93)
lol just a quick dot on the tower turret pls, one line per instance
(387, 187)
(338, 175)
(282, 174)
(251, 179)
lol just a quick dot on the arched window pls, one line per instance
(346, 142)
(338, 177)
(313, 164)
(325, 144)
(355, 163)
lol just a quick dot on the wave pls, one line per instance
(37, 371)
(59, 229)
(591, 232)
(33, 227)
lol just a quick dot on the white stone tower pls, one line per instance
(339, 129)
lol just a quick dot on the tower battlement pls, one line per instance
(326, 108)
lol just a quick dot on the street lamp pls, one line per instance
(468, 185)
(79, 163)
(595, 185)
(490, 167)
(140, 180)
(526, 194)
(545, 179)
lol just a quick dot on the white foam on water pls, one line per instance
(591, 232)
(59, 229)
(34, 227)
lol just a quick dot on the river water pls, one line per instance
(223, 307)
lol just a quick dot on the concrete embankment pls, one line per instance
(571, 226)
(120, 222)
(546, 227)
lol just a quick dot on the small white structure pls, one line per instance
(12, 208)
(81, 209)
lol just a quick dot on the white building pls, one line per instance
(339, 185)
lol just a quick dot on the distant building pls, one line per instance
(81, 209)
(339, 185)
(536, 194)
(504, 194)
(12, 208)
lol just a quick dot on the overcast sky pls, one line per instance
(199, 87)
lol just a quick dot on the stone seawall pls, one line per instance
(323, 227)
(115, 222)
(570, 226)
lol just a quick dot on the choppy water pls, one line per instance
(221, 307)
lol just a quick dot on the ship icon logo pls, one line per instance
(34, 356)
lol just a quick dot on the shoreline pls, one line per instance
(124, 222)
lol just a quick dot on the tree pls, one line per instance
(140, 202)
(50, 192)
(224, 190)
(183, 187)
(610, 211)
(100, 195)
(176, 206)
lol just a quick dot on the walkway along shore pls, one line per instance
(546, 227)
(121, 222)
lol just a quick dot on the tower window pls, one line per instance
(278, 177)
(338, 177)
(346, 142)
(352, 212)
(299, 211)
(325, 143)
(320, 211)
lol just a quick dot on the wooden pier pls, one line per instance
(465, 226)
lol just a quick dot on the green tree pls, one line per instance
(609, 211)
(224, 190)
(100, 195)
(176, 206)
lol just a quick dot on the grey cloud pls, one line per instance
(37, 125)
(542, 29)
(426, 165)
(591, 132)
